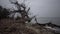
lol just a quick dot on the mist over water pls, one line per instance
(54, 20)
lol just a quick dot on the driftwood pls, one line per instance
(52, 25)
(49, 24)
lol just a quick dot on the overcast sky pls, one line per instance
(41, 8)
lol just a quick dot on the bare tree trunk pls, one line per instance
(36, 20)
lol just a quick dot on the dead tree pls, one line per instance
(24, 12)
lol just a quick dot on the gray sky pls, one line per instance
(41, 8)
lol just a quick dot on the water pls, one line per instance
(54, 20)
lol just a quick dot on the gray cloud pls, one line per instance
(46, 8)
(42, 8)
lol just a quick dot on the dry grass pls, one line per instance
(10, 26)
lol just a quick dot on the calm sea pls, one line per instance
(54, 20)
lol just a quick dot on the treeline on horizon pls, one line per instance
(3, 12)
